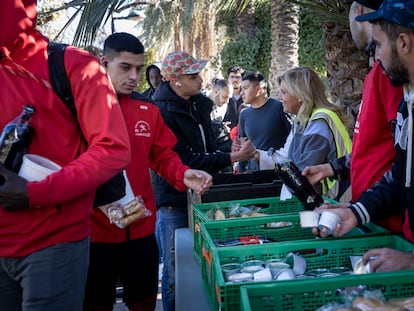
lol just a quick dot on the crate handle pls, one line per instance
(279, 225)
(311, 252)
(218, 293)
(206, 255)
(197, 227)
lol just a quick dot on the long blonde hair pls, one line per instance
(305, 84)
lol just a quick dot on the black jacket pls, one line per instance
(233, 111)
(394, 193)
(184, 119)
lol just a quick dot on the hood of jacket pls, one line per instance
(22, 15)
(22, 47)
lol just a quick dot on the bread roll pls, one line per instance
(373, 304)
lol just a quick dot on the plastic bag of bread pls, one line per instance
(333, 306)
(216, 213)
(124, 215)
(219, 215)
(374, 304)
(407, 303)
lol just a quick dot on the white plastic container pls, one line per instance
(36, 168)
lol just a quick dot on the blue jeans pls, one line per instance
(168, 220)
(53, 278)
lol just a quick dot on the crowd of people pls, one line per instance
(58, 252)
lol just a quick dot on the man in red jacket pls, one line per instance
(132, 253)
(372, 146)
(44, 225)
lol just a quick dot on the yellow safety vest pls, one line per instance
(341, 137)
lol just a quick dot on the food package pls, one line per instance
(126, 214)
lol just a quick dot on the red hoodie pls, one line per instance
(373, 146)
(60, 205)
(152, 144)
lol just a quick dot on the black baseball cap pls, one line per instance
(372, 4)
(399, 12)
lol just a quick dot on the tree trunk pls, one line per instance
(346, 67)
(245, 20)
(285, 40)
(199, 41)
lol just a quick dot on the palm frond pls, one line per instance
(327, 10)
(236, 6)
(94, 14)
(158, 25)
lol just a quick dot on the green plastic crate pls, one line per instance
(259, 226)
(318, 254)
(270, 206)
(309, 295)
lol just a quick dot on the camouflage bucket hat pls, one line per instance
(179, 63)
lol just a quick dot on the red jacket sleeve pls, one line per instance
(103, 127)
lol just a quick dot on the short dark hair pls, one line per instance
(258, 78)
(220, 83)
(235, 69)
(393, 30)
(122, 42)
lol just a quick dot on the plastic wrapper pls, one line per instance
(124, 215)
(359, 299)
(234, 211)
(407, 303)
(216, 213)
(237, 211)
(336, 307)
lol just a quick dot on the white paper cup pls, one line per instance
(263, 275)
(329, 221)
(230, 269)
(360, 268)
(286, 274)
(276, 267)
(309, 219)
(35, 167)
(296, 262)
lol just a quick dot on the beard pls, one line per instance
(398, 73)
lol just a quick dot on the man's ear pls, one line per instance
(104, 61)
(405, 43)
(174, 82)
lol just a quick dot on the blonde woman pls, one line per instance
(319, 130)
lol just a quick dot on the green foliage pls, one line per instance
(252, 53)
(335, 11)
(159, 24)
(311, 49)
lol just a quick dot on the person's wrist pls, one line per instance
(256, 155)
(233, 157)
(334, 173)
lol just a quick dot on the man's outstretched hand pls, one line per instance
(197, 180)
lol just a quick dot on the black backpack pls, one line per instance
(114, 188)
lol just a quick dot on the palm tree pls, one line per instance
(285, 39)
(346, 67)
(187, 24)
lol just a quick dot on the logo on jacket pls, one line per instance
(142, 128)
(401, 132)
